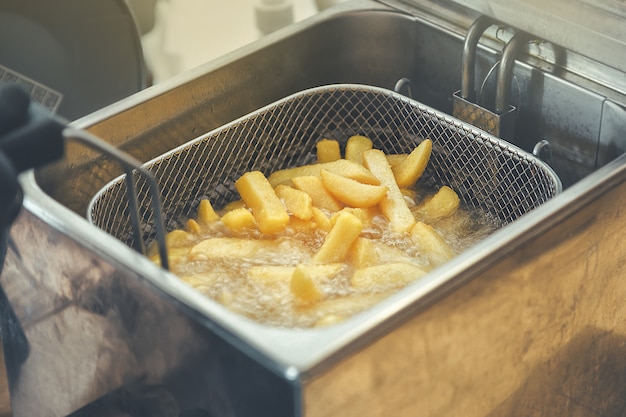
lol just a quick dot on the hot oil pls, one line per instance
(269, 300)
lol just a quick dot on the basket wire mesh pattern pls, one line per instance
(489, 174)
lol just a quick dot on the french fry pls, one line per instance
(390, 275)
(175, 256)
(230, 247)
(297, 202)
(412, 167)
(238, 219)
(341, 166)
(234, 205)
(304, 226)
(351, 192)
(328, 150)
(366, 252)
(393, 206)
(431, 242)
(256, 191)
(395, 159)
(355, 146)
(363, 253)
(304, 288)
(443, 204)
(321, 219)
(343, 307)
(177, 238)
(366, 215)
(338, 241)
(193, 227)
(270, 274)
(200, 280)
(320, 196)
(206, 213)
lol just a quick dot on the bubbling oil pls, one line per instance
(258, 285)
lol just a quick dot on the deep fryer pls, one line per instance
(530, 320)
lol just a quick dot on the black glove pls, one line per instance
(29, 138)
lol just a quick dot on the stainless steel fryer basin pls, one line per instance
(531, 320)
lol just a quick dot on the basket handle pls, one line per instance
(30, 137)
(130, 166)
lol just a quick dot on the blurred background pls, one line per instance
(188, 33)
(78, 56)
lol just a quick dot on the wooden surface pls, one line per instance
(540, 333)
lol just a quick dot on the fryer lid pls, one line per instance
(488, 174)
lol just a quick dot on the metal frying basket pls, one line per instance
(488, 174)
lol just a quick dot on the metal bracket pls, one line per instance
(499, 122)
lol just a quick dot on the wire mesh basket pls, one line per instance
(488, 174)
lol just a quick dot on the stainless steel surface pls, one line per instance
(505, 71)
(592, 28)
(529, 320)
(95, 330)
(151, 193)
(501, 125)
(468, 64)
(497, 118)
(38, 92)
(490, 175)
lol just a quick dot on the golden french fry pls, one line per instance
(304, 288)
(233, 205)
(346, 229)
(443, 204)
(363, 253)
(355, 147)
(351, 192)
(238, 219)
(396, 159)
(177, 238)
(230, 247)
(366, 252)
(412, 167)
(297, 202)
(200, 280)
(256, 191)
(393, 206)
(341, 166)
(431, 242)
(390, 275)
(328, 150)
(206, 213)
(321, 220)
(320, 196)
(304, 226)
(175, 256)
(193, 227)
(270, 274)
(342, 307)
(366, 215)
